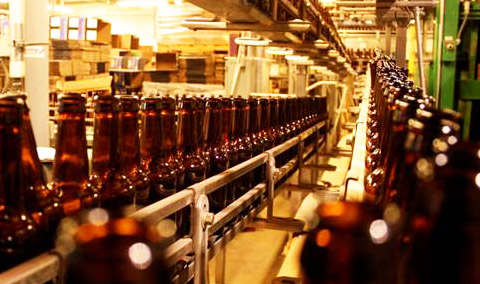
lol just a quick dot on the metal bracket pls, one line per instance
(202, 220)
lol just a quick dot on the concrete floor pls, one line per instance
(255, 256)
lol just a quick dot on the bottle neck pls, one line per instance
(32, 168)
(254, 119)
(214, 120)
(265, 117)
(168, 129)
(71, 160)
(151, 135)
(227, 115)
(187, 134)
(241, 121)
(12, 187)
(103, 139)
(128, 149)
(282, 112)
(273, 115)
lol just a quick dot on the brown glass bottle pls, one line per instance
(70, 167)
(188, 154)
(187, 142)
(447, 246)
(107, 248)
(265, 133)
(18, 232)
(115, 192)
(166, 173)
(274, 129)
(228, 115)
(40, 201)
(218, 160)
(258, 144)
(128, 160)
(351, 244)
(242, 143)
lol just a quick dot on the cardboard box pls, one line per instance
(104, 32)
(60, 68)
(116, 41)
(166, 61)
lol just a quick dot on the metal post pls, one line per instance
(421, 67)
(388, 40)
(271, 169)
(401, 46)
(201, 221)
(36, 60)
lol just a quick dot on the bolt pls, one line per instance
(209, 218)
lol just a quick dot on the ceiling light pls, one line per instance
(299, 25)
(142, 3)
(333, 53)
(196, 25)
(61, 9)
(279, 51)
(252, 41)
(321, 44)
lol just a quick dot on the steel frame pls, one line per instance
(50, 265)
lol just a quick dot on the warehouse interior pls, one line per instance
(239, 141)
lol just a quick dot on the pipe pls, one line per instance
(440, 51)
(421, 67)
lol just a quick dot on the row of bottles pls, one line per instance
(143, 151)
(421, 221)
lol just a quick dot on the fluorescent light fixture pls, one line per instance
(333, 53)
(142, 3)
(252, 41)
(204, 25)
(61, 9)
(296, 57)
(321, 44)
(279, 51)
(341, 59)
(368, 22)
(178, 2)
(299, 25)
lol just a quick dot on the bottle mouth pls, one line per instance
(11, 112)
(128, 103)
(72, 103)
(150, 104)
(104, 104)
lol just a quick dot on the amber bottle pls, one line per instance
(218, 160)
(274, 126)
(40, 201)
(446, 244)
(228, 115)
(166, 173)
(128, 160)
(188, 153)
(265, 133)
(108, 248)
(115, 192)
(70, 167)
(351, 244)
(258, 144)
(18, 232)
(242, 143)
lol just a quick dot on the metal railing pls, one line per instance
(233, 218)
